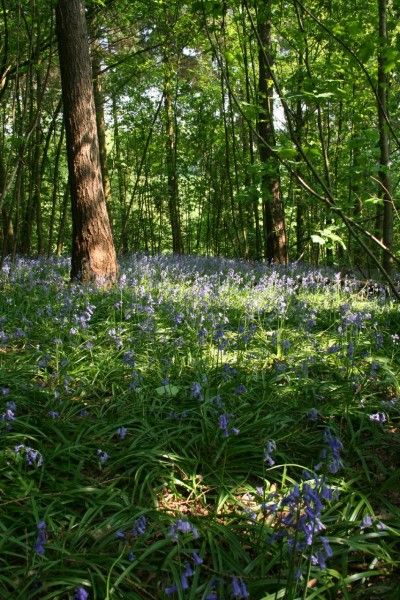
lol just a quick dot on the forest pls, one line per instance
(199, 299)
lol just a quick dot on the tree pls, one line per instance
(93, 254)
(273, 211)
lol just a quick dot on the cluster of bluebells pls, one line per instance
(184, 580)
(139, 528)
(298, 516)
(32, 456)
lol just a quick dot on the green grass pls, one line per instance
(264, 352)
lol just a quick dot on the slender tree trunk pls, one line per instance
(275, 248)
(384, 158)
(101, 124)
(93, 253)
(172, 177)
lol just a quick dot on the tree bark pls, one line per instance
(171, 151)
(93, 254)
(384, 158)
(275, 248)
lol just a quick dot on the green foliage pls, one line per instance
(143, 373)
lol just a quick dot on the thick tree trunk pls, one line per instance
(275, 248)
(93, 254)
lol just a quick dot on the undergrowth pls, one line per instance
(206, 429)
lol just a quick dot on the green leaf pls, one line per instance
(317, 239)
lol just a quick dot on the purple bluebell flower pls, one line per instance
(334, 447)
(196, 390)
(120, 535)
(182, 526)
(319, 559)
(197, 559)
(184, 582)
(41, 538)
(188, 572)
(8, 415)
(128, 358)
(239, 589)
(366, 522)
(378, 417)
(327, 548)
(313, 414)
(131, 556)
(269, 449)
(33, 457)
(53, 414)
(103, 456)
(122, 431)
(81, 594)
(170, 590)
(139, 527)
(240, 389)
(223, 423)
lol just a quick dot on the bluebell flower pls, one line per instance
(240, 389)
(170, 590)
(41, 538)
(182, 526)
(81, 594)
(378, 417)
(269, 449)
(120, 535)
(188, 572)
(139, 527)
(327, 548)
(223, 423)
(131, 556)
(122, 431)
(196, 390)
(366, 522)
(8, 415)
(313, 414)
(33, 457)
(184, 582)
(53, 414)
(239, 589)
(103, 456)
(197, 559)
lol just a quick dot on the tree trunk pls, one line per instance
(93, 254)
(172, 176)
(384, 158)
(275, 248)
(101, 124)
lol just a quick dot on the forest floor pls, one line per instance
(206, 429)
